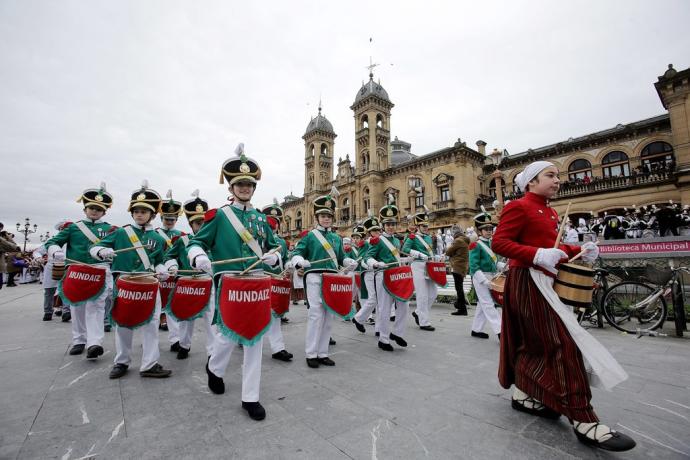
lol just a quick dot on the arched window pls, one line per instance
(616, 164)
(579, 169)
(324, 150)
(417, 185)
(379, 120)
(311, 150)
(365, 161)
(492, 188)
(657, 156)
(298, 221)
(365, 121)
(311, 181)
(345, 209)
(365, 200)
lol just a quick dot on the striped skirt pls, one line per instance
(537, 353)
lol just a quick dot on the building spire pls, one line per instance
(371, 68)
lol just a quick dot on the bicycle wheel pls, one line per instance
(630, 305)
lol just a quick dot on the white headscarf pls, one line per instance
(530, 172)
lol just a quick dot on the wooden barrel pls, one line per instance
(574, 285)
(58, 270)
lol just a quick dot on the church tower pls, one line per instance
(319, 139)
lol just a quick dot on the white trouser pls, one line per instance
(486, 310)
(87, 321)
(318, 320)
(251, 366)
(425, 291)
(275, 335)
(187, 328)
(368, 304)
(386, 303)
(173, 329)
(149, 341)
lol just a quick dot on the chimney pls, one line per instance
(481, 147)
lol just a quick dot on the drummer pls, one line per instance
(170, 211)
(371, 228)
(320, 243)
(482, 269)
(538, 354)
(356, 251)
(87, 319)
(384, 252)
(419, 247)
(246, 235)
(176, 259)
(274, 216)
(143, 206)
(49, 284)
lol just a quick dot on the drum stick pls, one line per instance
(143, 275)
(342, 270)
(82, 263)
(131, 249)
(190, 271)
(272, 251)
(560, 231)
(229, 261)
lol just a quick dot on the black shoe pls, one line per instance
(294, 302)
(416, 318)
(331, 341)
(58, 313)
(94, 351)
(386, 346)
(392, 318)
(427, 328)
(156, 371)
(10, 285)
(480, 335)
(462, 312)
(175, 346)
(215, 383)
(66, 317)
(107, 328)
(617, 442)
(77, 349)
(284, 320)
(359, 326)
(399, 340)
(371, 321)
(255, 410)
(543, 412)
(499, 336)
(377, 333)
(163, 326)
(183, 353)
(313, 362)
(326, 361)
(47, 317)
(118, 371)
(282, 355)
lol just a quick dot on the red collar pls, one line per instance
(539, 199)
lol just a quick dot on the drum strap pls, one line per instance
(242, 231)
(87, 232)
(355, 252)
(185, 240)
(168, 241)
(488, 250)
(326, 245)
(425, 244)
(141, 252)
(392, 249)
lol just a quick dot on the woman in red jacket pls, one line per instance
(538, 354)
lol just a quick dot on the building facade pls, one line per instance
(638, 164)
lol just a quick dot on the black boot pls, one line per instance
(313, 362)
(183, 353)
(215, 383)
(47, 317)
(66, 317)
(282, 355)
(94, 351)
(386, 346)
(175, 347)
(255, 410)
(77, 349)
(118, 371)
(156, 371)
(480, 335)
(399, 340)
(359, 326)
(326, 361)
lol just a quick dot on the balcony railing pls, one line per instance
(447, 204)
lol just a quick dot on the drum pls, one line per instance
(81, 284)
(134, 300)
(280, 296)
(190, 297)
(244, 307)
(437, 272)
(398, 282)
(497, 286)
(336, 292)
(574, 285)
(58, 270)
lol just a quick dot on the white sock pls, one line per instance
(526, 400)
(600, 433)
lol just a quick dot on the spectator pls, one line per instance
(6, 246)
(459, 259)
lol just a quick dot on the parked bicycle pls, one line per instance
(593, 315)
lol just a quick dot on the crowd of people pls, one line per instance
(16, 266)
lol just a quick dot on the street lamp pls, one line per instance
(26, 231)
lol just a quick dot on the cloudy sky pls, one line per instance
(120, 91)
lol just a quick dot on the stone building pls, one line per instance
(641, 163)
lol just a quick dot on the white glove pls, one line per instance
(59, 256)
(481, 278)
(500, 266)
(590, 252)
(304, 263)
(203, 263)
(289, 266)
(406, 260)
(349, 264)
(106, 254)
(162, 272)
(549, 258)
(172, 270)
(418, 255)
(379, 264)
(269, 259)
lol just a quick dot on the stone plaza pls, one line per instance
(437, 399)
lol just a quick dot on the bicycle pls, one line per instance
(592, 316)
(635, 307)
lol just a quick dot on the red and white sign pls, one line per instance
(645, 248)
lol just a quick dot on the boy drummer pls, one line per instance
(419, 247)
(170, 211)
(274, 215)
(372, 228)
(143, 206)
(235, 231)
(483, 267)
(319, 244)
(87, 319)
(176, 258)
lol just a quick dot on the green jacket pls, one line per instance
(415, 244)
(480, 260)
(379, 251)
(178, 252)
(126, 262)
(219, 240)
(170, 234)
(78, 244)
(311, 249)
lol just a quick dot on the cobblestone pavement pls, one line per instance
(438, 399)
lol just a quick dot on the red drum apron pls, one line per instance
(190, 298)
(437, 272)
(280, 296)
(81, 284)
(336, 293)
(244, 307)
(398, 282)
(134, 301)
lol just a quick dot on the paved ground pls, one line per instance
(437, 399)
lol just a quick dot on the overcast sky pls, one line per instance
(120, 91)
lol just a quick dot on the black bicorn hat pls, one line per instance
(326, 204)
(484, 220)
(96, 197)
(359, 231)
(371, 223)
(145, 198)
(195, 208)
(240, 168)
(389, 212)
(170, 207)
(274, 210)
